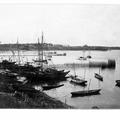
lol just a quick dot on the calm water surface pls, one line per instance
(110, 94)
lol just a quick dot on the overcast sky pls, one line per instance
(61, 23)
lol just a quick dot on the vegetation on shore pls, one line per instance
(14, 94)
(49, 46)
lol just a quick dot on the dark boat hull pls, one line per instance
(86, 93)
(51, 87)
(117, 83)
(99, 77)
(36, 78)
(79, 81)
(83, 83)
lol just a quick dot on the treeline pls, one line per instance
(46, 46)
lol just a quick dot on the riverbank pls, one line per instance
(14, 94)
(40, 101)
(49, 46)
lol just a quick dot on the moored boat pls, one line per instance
(117, 82)
(89, 56)
(79, 81)
(51, 87)
(98, 76)
(86, 92)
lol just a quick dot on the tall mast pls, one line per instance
(74, 70)
(38, 50)
(18, 51)
(42, 47)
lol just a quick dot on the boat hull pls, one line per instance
(83, 83)
(79, 81)
(117, 83)
(86, 93)
(51, 87)
(99, 77)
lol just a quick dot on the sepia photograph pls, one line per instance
(59, 56)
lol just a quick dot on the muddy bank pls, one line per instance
(14, 94)
(41, 101)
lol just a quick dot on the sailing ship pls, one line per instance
(44, 74)
(40, 59)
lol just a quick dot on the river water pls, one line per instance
(110, 94)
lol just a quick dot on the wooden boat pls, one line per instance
(79, 81)
(51, 87)
(41, 61)
(117, 82)
(76, 80)
(82, 58)
(89, 56)
(98, 76)
(86, 92)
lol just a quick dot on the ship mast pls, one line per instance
(18, 52)
(38, 51)
(42, 46)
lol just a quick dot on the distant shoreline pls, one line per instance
(47, 47)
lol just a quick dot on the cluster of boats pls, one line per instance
(35, 75)
(82, 82)
(48, 77)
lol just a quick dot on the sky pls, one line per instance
(68, 24)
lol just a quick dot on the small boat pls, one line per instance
(89, 56)
(82, 58)
(117, 82)
(51, 87)
(75, 79)
(98, 76)
(63, 54)
(42, 61)
(79, 81)
(85, 93)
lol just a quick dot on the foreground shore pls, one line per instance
(13, 94)
(41, 101)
